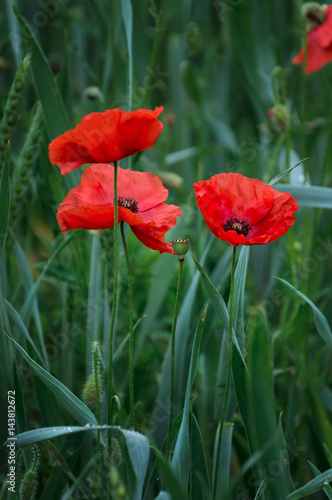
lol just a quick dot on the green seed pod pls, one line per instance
(180, 246)
(28, 485)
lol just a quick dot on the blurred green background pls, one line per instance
(217, 67)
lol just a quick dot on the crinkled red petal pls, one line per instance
(106, 137)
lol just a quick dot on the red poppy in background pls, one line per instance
(140, 197)
(244, 211)
(319, 39)
(106, 138)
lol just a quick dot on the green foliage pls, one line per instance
(217, 68)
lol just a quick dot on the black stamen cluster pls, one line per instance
(128, 202)
(241, 226)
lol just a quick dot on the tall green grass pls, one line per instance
(212, 66)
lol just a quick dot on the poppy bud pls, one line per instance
(28, 485)
(180, 247)
(92, 94)
(170, 179)
(314, 13)
(279, 117)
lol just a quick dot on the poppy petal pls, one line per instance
(106, 137)
(91, 205)
(152, 239)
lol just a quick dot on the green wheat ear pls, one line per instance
(10, 112)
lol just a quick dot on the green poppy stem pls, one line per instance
(175, 319)
(229, 375)
(131, 327)
(115, 296)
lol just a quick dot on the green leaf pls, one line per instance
(181, 457)
(34, 436)
(25, 273)
(172, 481)
(224, 464)
(93, 315)
(239, 289)
(77, 409)
(17, 320)
(137, 445)
(285, 453)
(262, 421)
(139, 451)
(320, 320)
(26, 309)
(6, 350)
(55, 116)
(127, 15)
(163, 495)
(218, 304)
(283, 174)
(4, 199)
(56, 120)
(314, 485)
(200, 482)
(327, 489)
(320, 418)
(309, 196)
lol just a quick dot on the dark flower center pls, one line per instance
(241, 226)
(128, 202)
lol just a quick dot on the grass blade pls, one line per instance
(314, 485)
(172, 481)
(320, 320)
(309, 196)
(4, 200)
(77, 409)
(218, 304)
(262, 419)
(181, 457)
(127, 15)
(283, 174)
(327, 489)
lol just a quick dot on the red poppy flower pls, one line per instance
(106, 137)
(140, 197)
(244, 211)
(319, 40)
